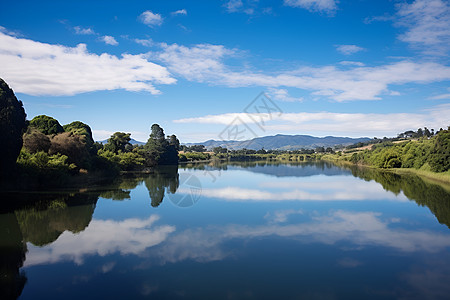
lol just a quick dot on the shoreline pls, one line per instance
(438, 178)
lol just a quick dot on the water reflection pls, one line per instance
(12, 256)
(436, 198)
(163, 179)
(59, 227)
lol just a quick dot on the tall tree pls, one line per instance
(12, 126)
(47, 125)
(156, 145)
(118, 142)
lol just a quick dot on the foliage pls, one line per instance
(194, 156)
(426, 153)
(35, 141)
(12, 125)
(80, 128)
(47, 125)
(159, 150)
(126, 161)
(71, 145)
(118, 142)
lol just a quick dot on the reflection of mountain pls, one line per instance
(433, 196)
(278, 169)
(295, 170)
(164, 178)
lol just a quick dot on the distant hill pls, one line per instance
(132, 142)
(283, 142)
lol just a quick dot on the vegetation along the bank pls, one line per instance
(42, 152)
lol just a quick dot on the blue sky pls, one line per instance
(343, 68)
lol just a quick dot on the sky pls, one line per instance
(231, 69)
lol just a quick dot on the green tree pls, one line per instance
(156, 145)
(47, 125)
(12, 126)
(118, 142)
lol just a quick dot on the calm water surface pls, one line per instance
(236, 231)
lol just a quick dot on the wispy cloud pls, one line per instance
(327, 6)
(109, 40)
(234, 5)
(238, 6)
(179, 12)
(145, 42)
(36, 68)
(10, 32)
(282, 95)
(348, 49)
(441, 96)
(351, 63)
(427, 24)
(206, 63)
(151, 19)
(330, 123)
(83, 31)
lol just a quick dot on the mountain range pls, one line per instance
(283, 142)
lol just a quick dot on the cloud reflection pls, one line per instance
(360, 229)
(102, 237)
(322, 190)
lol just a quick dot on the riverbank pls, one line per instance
(439, 178)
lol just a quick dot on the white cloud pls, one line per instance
(151, 19)
(349, 49)
(10, 32)
(36, 68)
(102, 237)
(440, 97)
(109, 40)
(351, 63)
(329, 123)
(234, 5)
(427, 23)
(83, 31)
(206, 63)
(200, 63)
(248, 8)
(328, 6)
(282, 95)
(179, 12)
(145, 42)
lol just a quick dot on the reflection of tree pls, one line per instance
(45, 222)
(433, 196)
(121, 189)
(163, 178)
(12, 256)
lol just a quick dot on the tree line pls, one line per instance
(42, 148)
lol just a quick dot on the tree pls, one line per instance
(35, 141)
(118, 141)
(47, 125)
(219, 149)
(156, 145)
(80, 128)
(12, 126)
(71, 145)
